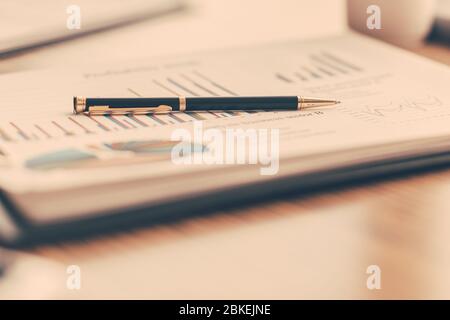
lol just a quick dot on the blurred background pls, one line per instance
(144, 28)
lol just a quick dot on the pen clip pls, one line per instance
(107, 110)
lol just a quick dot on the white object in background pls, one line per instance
(403, 22)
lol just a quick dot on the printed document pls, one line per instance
(394, 103)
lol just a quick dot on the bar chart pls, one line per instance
(320, 66)
(186, 83)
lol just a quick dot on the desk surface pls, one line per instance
(318, 246)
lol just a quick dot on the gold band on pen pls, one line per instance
(182, 103)
(300, 103)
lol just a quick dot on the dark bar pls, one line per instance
(241, 103)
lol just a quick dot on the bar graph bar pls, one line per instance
(318, 67)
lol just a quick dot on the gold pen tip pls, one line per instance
(308, 102)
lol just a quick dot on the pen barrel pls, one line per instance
(111, 106)
(241, 103)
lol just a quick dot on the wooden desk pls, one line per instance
(313, 247)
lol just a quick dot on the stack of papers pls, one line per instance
(61, 170)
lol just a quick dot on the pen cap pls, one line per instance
(79, 104)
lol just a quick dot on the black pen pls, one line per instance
(105, 106)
